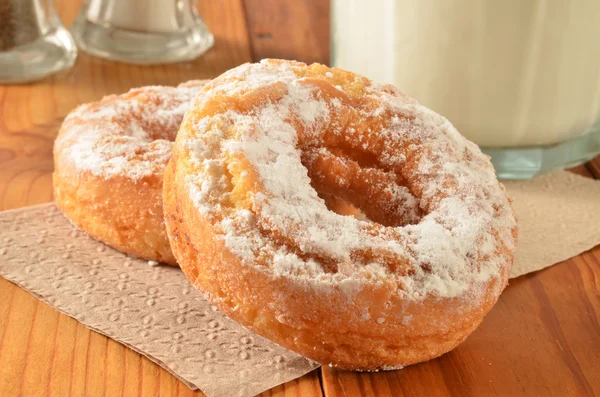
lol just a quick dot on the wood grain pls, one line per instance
(542, 338)
(297, 30)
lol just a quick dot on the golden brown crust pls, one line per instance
(384, 321)
(310, 328)
(125, 215)
(121, 209)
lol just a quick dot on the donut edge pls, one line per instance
(124, 214)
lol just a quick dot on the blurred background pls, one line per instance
(519, 78)
(31, 112)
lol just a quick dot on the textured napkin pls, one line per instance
(558, 216)
(154, 310)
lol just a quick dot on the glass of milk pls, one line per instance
(141, 31)
(521, 78)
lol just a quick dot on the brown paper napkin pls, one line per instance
(558, 216)
(155, 311)
(152, 309)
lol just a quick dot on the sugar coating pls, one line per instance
(127, 135)
(455, 249)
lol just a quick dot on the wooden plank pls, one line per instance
(289, 29)
(306, 386)
(115, 369)
(40, 351)
(18, 323)
(61, 369)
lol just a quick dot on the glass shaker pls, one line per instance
(142, 31)
(519, 78)
(33, 42)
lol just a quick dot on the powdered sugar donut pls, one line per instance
(109, 159)
(406, 280)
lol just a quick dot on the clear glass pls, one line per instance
(33, 42)
(526, 162)
(142, 31)
(519, 78)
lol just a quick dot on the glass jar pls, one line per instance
(519, 78)
(33, 42)
(142, 31)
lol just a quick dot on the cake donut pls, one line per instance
(419, 252)
(109, 159)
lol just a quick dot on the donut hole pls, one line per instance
(343, 207)
(136, 125)
(360, 190)
(343, 153)
(361, 157)
(150, 113)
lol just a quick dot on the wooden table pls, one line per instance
(542, 339)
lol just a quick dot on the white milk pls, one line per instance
(506, 73)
